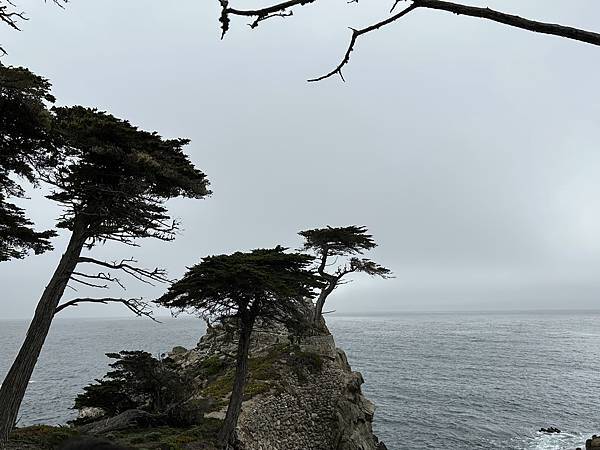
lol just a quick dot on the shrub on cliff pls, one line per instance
(140, 381)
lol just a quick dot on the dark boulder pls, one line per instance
(593, 443)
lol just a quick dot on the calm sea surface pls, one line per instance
(452, 381)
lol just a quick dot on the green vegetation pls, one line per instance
(112, 181)
(212, 366)
(265, 373)
(268, 285)
(141, 381)
(27, 149)
(40, 437)
(200, 436)
(343, 244)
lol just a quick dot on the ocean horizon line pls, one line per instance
(386, 313)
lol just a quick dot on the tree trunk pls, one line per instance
(321, 301)
(16, 381)
(227, 433)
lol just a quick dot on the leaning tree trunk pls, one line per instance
(227, 433)
(321, 302)
(16, 381)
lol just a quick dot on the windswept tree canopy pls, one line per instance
(27, 148)
(339, 240)
(268, 283)
(265, 284)
(116, 178)
(344, 243)
(112, 180)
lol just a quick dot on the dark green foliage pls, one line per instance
(137, 380)
(212, 366)
(42, 437)
(113, 181)
(266, 283)
(339, 240)
(27, 147)
(343, 241)
(118, 177)
(17, 237)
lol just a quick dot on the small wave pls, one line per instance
(558, 441)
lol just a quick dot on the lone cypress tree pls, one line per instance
(265, 284)
(27, 148)
(113, 182)
(340, 242)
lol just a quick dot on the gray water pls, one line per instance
(452, 381)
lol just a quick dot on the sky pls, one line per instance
(469, 149)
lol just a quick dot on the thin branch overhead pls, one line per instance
(283, 9)
(11, 17)
(99, 276)
(355, 35)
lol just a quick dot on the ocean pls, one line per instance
(439, 380)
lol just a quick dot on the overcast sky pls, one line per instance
(469, 149)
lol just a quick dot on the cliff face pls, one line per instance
(302, 393)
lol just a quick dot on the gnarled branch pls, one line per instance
(355, 35)
(11, 18)
(100, 276)
(136, 305)
(577, 34)
(277, 10)
(144, 275)
(280, 9)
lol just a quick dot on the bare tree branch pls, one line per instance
(143, 275)
(261, 18)
(11, 18)
(101, 276)
(355, 35)
(280, 9)
(86, 283)
(136, 305)
(277, 10)
(513, 21)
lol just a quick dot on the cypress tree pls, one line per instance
(269, 285)
(27, 148)
(112, 183)
(341, 243)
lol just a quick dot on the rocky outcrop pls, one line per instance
(593, 443)
(303, 395)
